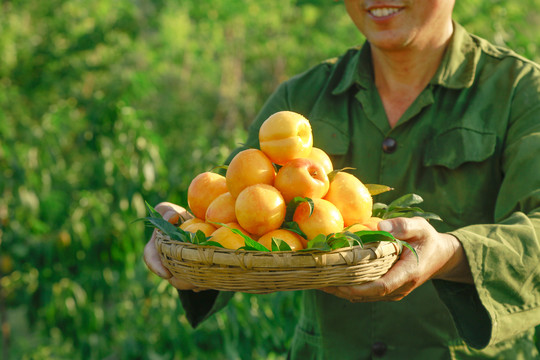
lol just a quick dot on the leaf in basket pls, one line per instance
(155, 220)
(211, 243)
(376, 189)
(379, 210)
(408, 246)
(405, 209)
(280, 245)
(318, 243)
(353, 238)
(198, 238)
(404, 212)
(293, 204)
(293, 226)
(169, 229)
(368, 236)
(218, 169)
(151, 211)
(374, 236)
(332, 174)
(251, 244)
(405, 201)
(339, 241)
(429, 216)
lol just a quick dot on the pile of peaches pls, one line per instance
(287, 177)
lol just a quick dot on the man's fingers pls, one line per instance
(394, 285)
(164, 207)
(182, 284)
(171, 216)
(403, 228)
(152, 260)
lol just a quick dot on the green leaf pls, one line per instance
(167, 228)
(406, 209)
(251, 244)
(368, 236)
(342, 240)
(356, 240)
(408, 246)
(339, 243)
(291, 207)
(379, 210)
(294, 227)
(280, 245)
(380, 206)
(376, 189)
(293, 204)
(429, 216)
(405, 201)
(212, 243)
(318, 243)
(151, 211)
(395, 214)
(332, 174)
(198, 238)
(404, 212)
(217, 169)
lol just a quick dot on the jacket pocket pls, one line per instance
(461, 176)
(305, 345)
(457, 146)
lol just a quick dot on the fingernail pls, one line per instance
(386, 226)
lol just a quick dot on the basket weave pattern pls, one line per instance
(263, 272)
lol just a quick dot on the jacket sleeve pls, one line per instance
(504, 257)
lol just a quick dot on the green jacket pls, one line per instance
(470, 146)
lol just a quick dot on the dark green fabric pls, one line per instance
(202, 301)
(470, 146)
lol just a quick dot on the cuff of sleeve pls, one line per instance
(480, 320)
(470, 317)
(200, 306)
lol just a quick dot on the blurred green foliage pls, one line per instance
(105, 104)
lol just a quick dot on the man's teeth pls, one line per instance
(380, 12)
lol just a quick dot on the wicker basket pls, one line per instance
(263, 272)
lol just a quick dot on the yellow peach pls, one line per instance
(202, 190)
(260, 208)
(351, 197)
(295, 241)
(249, 167)
(284, 136)
(325, 219)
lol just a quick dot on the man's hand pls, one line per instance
(440, 256)
(172, 213)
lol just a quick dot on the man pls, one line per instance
(427, 108)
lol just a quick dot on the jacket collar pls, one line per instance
(456, 71)
(458, 66)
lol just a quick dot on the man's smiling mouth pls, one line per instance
(382, 12)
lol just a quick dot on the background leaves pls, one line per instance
(106, 103)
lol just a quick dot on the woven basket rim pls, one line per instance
(189, 253)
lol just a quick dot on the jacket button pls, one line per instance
(389, 145)
(378, 348)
